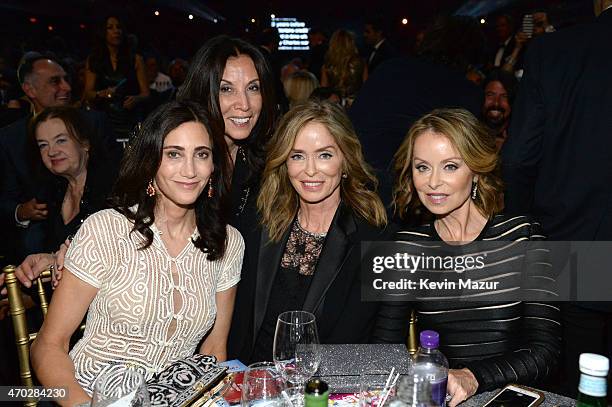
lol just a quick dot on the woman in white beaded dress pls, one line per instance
(156, 273)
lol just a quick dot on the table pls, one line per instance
(341, 364)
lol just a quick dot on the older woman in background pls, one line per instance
(447, 165)
(74, 176)
(78, 175)
(317, 203)
(233, 80)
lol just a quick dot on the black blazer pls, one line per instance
(384, 52)
(557, 161)
(334, 295)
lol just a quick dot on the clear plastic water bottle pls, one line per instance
(413, 391)
(431, 365)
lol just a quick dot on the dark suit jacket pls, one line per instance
(334, 295)
(18, 183)
(384, 52)
(557, 161)
(394, 97)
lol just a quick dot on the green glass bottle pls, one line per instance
(316, 393)
(592, 389)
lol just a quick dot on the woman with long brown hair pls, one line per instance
(317, 203)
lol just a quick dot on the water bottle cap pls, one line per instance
(594, 364)
(430, 339)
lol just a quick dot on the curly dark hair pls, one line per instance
(203, 82)
(142, 160)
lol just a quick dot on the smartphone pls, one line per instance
(514, 395)
(528, 25)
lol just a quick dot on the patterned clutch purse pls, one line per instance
(186, 382)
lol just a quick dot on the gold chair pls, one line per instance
(23, 338)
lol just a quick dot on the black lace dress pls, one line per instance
(291, 284)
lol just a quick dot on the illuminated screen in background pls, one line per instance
(293, 34)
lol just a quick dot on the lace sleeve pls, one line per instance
(232, 260)
(84, 258)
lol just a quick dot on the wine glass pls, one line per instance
(121, 385)
(263, 383)
(296, 351)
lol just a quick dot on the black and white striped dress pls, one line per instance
(499, 341)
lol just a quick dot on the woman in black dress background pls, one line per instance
(115, 78)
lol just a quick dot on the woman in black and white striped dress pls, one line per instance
(447, 166)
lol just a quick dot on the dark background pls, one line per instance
(34, 24)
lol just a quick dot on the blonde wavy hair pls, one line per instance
(341, 54)
(476, 147)
(278, 202)
(299, 85)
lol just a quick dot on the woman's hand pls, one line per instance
(60, 255)
(130, 102)
(33, 266)
(462, 385)
(107, 93)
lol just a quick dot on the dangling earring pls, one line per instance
(474, 190)
(211, 190)
(344, 175)
(150, 189)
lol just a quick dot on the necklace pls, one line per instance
(313, 234)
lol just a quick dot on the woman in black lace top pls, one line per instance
(316, 204)
(447, 167)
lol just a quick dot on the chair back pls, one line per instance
(23, 337)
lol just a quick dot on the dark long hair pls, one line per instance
(100, 54)
(141, 163)
(203, 81)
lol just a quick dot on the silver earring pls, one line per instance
(344, 175)
(474, 190)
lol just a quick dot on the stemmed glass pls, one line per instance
(296, 352)
(121, 385)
